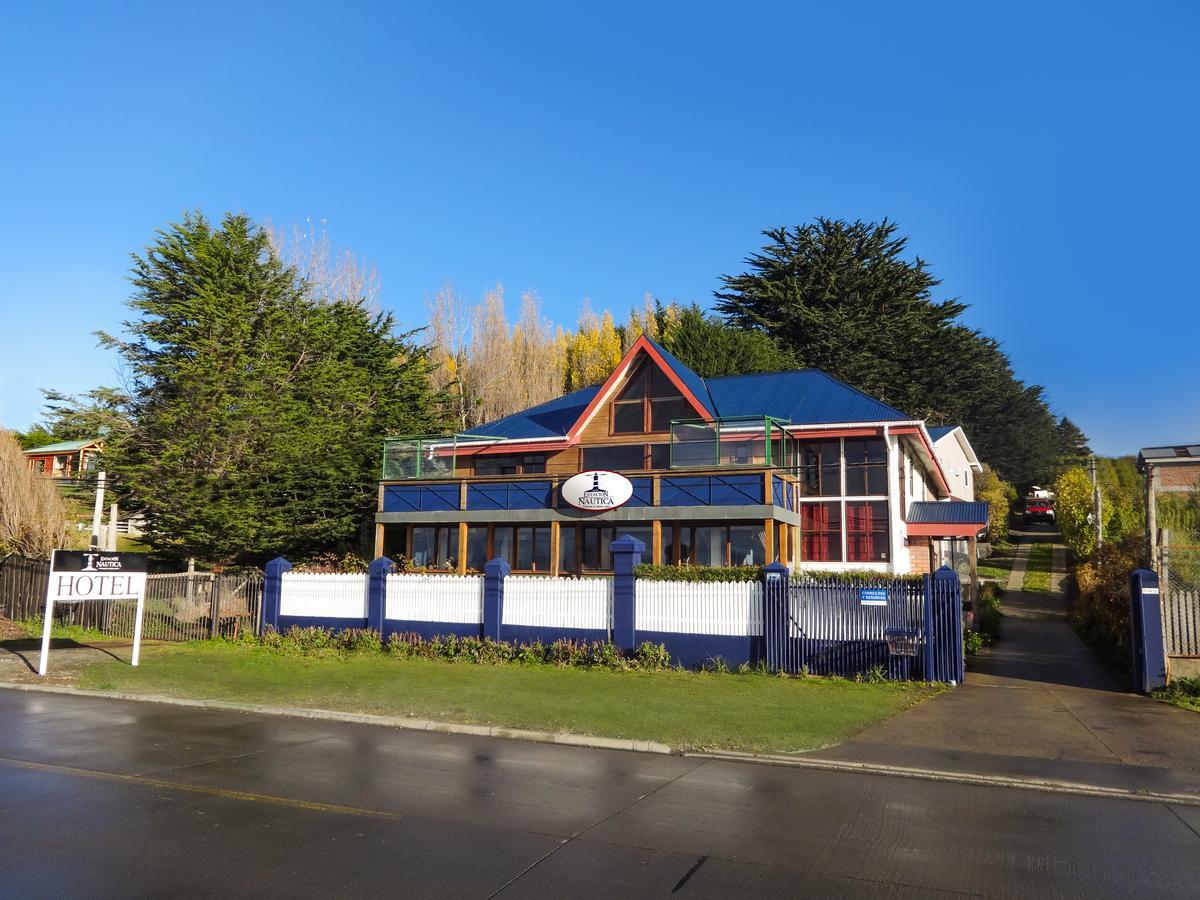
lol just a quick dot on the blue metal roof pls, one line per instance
(804, 397)
(552, 419)
(937, 432)
(947, 512)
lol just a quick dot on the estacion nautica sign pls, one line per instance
(597, 490)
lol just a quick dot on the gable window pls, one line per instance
(648, 402)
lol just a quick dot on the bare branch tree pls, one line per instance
(331, 274)
(32, 517)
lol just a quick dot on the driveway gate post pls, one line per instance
(776, 634)
(273, 591)
(494, 573)
(377, 575)
(626, 555)
(1145, 623)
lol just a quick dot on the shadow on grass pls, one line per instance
(29, 649)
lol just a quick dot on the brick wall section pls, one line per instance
(918, 555)
(1185, 475)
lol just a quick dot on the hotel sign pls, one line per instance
(597, 490)
(77, 576)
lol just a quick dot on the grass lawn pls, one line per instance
(1183, 692)
(683, 709)
(1037, 575)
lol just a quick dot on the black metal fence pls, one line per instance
(184, 606)
(22, 586)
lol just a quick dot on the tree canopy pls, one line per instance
(844, 298)
(709, 347)
(257, 409)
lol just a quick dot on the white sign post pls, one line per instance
(80, 575)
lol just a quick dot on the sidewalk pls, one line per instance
(1039, 705)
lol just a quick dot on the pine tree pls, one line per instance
(258, 411)
(711, 348)
(842, 297)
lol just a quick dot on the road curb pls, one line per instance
(1046, 785)
(405, 722)
(604, 743)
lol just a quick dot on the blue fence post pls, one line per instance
(273, 591)
(1145, 623)
(927, 619)
(626, 555)
(776, 638)
(946, 647)
(377, 575)
(494, 573)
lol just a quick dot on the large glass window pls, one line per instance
(566, 549)
(867, 531)
(714, 545)
(746, 546)
(820, 468)
(511, 464)
(431, 545)
(616, 458)
(596, 548)
(648, 402)
(866, 468)
(821, 532)
(477, 546)
(533, 549)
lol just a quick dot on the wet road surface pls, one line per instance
(113, 798)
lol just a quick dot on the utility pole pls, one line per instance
(98, 511)
(1096, 504)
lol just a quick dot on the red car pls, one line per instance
(1039, 510)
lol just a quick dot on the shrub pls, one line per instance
(652, 657)
(698, 573)
(1099, 589)
(857, 576)
(988, 612)
(999, 495)
(332, 563)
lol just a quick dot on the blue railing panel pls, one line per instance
(509, 495)
(420, 497)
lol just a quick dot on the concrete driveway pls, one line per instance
(1039, 704)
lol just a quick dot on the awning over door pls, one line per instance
(948, 518)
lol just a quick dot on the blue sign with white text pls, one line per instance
(873, 596)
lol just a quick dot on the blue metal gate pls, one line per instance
(908, 630)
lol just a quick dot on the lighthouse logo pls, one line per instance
(596, 497)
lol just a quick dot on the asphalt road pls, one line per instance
(112, 798)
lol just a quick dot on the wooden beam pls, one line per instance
(462, 548)
(656, 542)
(974, 583)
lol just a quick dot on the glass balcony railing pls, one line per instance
(744, 441)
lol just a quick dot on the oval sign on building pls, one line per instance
(597, 490)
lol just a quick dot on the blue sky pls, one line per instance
(1042, 158)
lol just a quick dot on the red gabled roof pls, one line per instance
(642, 345)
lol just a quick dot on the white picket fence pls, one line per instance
(435, 598)
(689, 607)
(324, 596)
(534, 600)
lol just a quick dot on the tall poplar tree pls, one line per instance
(258, 411)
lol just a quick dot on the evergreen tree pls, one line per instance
(711, 348)
(1073, 441)
(258, 412)
(841, 297)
